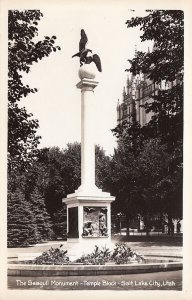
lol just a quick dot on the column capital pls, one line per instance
(87, 84)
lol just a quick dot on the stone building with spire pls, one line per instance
(138, 91)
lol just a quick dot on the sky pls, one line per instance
(57, 103)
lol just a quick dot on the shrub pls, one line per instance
(97, 257)
(53, 256)
(123, 254)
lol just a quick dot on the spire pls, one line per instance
(144, 77)
(128, 82)
(148, 51)
(118, 104)
(124, 93)
(132, 77)
(138, 80)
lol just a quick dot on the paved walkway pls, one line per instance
(144, 247)
(152, 249)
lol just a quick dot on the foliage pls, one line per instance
(22, 141)
(102, 168)
(148, 181)
(166, 28)
(57, 173)
(21, 226)
(146, 170)
(26, 206)
(99, 256)
(53, 256)
(130, 137)
(123, 254)
(164, 64)
(167, 121)
(54, 174)
(23, 50)
(71, 168)
(42, 218)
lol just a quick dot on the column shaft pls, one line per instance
(87, 138)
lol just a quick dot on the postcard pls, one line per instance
(95, 149)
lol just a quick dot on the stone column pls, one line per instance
(87, 135)
(88, 204)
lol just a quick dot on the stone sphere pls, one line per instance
(87, 71)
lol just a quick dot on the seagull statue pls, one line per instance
(96, 59)
(83, 53)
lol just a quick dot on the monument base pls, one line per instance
(91, 192)
(78, 248)
(88, 221)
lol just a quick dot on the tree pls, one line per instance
(45, 173)
(130, 137)
(102, 168)
(147, 183)
(21, 225)
(166, 29)
(147, 166)
(143, 176)
(23, 51)
(63, 175)
(124, 173)
(26, 209)
(57, 173)
(170, 187)
(42, 218)
(51, 177)
(164, 63)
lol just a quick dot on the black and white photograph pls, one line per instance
(95, 127)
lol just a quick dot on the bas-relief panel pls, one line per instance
(94, 221)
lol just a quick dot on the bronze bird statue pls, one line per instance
(82, 43)
(83, 53)
(96, 59)
(83, 40)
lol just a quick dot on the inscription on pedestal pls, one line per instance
(95, 221)
(73, 222)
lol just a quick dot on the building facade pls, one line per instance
(138, 91)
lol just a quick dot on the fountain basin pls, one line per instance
(153, 264)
